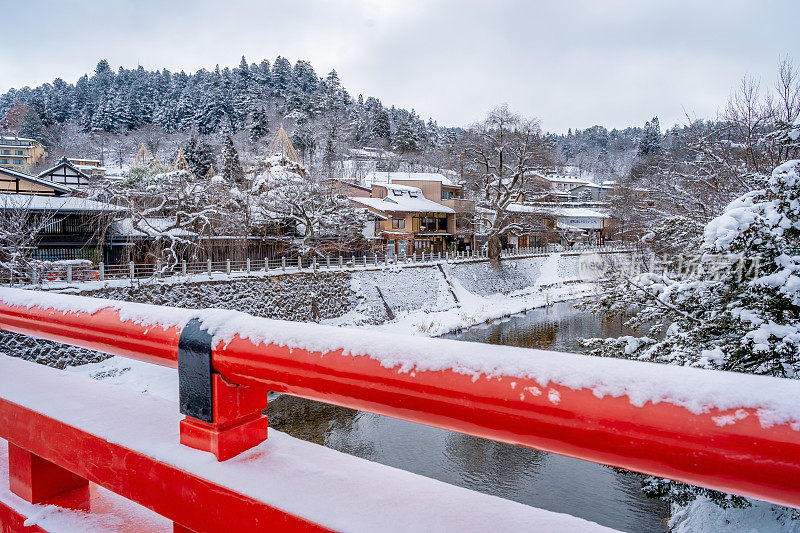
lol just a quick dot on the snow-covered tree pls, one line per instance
(199, 156)
(504, 153)
(259, 124)
(651, 137)
(172, 208)
(734, 306)
(321, 218)
(231, 166)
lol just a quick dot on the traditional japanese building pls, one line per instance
(65, 173)
(69, 227)
(406, 222)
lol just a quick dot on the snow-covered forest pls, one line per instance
(108, 114)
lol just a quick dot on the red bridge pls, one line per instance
(81, 450)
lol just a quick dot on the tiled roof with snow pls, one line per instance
(381, 178)
(55, 204)
(403, 199)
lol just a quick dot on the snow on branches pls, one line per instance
(739, 307)
(321, 218)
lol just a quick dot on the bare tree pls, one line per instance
(20, 230)
(504, 154)
(171, 209)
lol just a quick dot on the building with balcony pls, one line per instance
(16, 152)
(437, 188)
(405, 222)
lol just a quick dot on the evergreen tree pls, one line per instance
(651, 138)
(281, 77)
(406, 138)
(199, 156)
(382, 126)
(231, 166)
(259, 125)
(32, 128)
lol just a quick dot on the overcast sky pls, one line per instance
(571, 63)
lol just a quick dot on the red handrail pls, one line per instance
(742, 455)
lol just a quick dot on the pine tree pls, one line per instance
(231, 166)
(406, 138)
(199, 156)
(382, 126)
(259, 125)
(32, 128)
(651, 138)
(281, 77)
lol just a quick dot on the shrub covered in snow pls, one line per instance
(738, 309)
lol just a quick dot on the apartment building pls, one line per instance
(16, 152)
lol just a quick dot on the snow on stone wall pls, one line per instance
(365, 297)
(483, 279)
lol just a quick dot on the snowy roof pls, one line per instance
(578, 212)
(400, 199)
(63, 162)
(566, 179)
(151, 226)
(376, 178)
(56, 204)
(19, 139)
(557, 211)
(592, 186)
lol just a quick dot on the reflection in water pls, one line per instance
(548, 481)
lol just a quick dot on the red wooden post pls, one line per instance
(35, 479)
(238, 425)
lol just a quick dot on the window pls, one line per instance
(398, 223)
(413, 194)
(447, 195)
(18, 162)
(19, 152)
(397, 193)
(6, 152)
(377, 226)
(3, 161)
(381, 193)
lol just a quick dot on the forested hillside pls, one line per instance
(248, 101)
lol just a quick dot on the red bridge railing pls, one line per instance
(731, 432)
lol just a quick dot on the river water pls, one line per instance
(540, 479)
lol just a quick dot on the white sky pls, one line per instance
(572, 63)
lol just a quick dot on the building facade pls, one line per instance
(405, 222)
(16, 152)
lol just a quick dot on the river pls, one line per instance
(540, 479)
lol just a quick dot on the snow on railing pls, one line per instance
(68, 273)
(733, 432)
